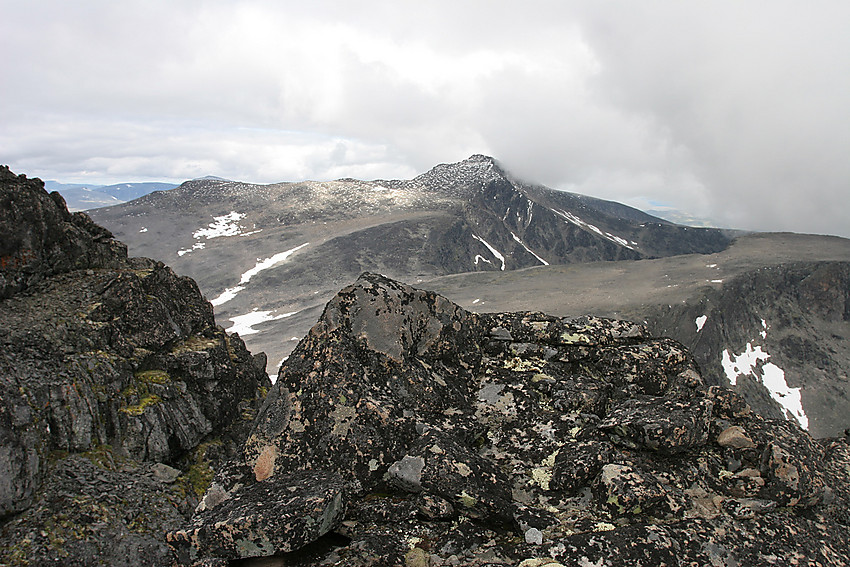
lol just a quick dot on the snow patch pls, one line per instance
(143, 229)
(529, 250)
(772, 377)
(195, 246)
(225, 225)
(492, 250)
(244, 324)
(700, 321)
(481, 258)
(586, 225)
(266, 264)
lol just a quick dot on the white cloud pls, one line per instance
(736, 110)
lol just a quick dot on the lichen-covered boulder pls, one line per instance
(527, 439)
(278, 515)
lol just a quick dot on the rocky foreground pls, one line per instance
(118, 392)
(403, 430)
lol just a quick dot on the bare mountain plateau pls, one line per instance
(764, 313)
(403, 429)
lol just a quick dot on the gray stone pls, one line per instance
(406, 473)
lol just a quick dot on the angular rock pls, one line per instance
(417, 431)
(579, 463)
(457, 474)
(278, 515)
(660, 424)
(736, 438)
(624, 489)
(41, 238)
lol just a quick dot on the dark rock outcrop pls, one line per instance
(115, 359)
(515, 439)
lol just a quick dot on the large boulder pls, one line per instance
(517, 439)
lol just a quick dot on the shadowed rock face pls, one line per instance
(455, 438)
(41, 238)
(115, 359)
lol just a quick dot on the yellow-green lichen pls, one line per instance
(196, 343)
(153, 377)
(466, 500)
(603, 527)
(518, 364)
(145, 402)
(542, 475)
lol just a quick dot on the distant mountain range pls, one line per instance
(81, 197)
(269, 257)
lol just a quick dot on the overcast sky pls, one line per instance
(734, 110)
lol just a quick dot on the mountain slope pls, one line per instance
(274, 254)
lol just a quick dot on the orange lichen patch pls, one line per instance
(264, 467)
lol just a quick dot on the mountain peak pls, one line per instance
(470, 174)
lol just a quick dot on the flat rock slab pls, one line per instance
(278, 515)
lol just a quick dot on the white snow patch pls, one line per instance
(271, 262)
(763, 331)
(244, 324)
(772, 377)
(529, 250)
(476, 301)
(715, 281)
(482, 258)
(227, 295)
(700, 321)
(491, 249)
(582, 224)
(195, 246)
(225, 225)
(143, 229)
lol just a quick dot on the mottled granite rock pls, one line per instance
(277, 515)
(526, 439)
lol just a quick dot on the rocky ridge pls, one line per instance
(117, 390)
(432, 435)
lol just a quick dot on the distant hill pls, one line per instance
(80, 197)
